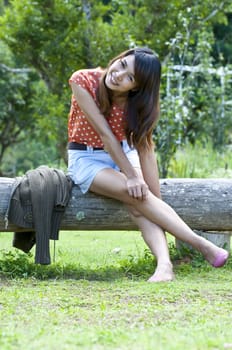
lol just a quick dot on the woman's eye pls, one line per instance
(123, 64)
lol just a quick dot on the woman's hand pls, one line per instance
(137, 188)
(150, 170)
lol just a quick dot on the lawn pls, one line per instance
(95, 296)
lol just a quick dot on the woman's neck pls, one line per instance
(120, 99)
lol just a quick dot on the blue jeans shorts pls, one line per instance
(83, 166)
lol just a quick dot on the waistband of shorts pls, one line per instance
(83, 147)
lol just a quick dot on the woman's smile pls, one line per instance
(120, 75)
(113, 78)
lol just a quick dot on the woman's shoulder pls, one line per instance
(89, 72)
(87, 76)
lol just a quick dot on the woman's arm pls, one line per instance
(136, 187)
(150, 171)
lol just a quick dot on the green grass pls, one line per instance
(201, 162)
(96, 297)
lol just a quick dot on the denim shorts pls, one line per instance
(83, 166)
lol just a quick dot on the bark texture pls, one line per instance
(204, 204)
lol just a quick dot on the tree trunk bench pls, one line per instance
(204, 204)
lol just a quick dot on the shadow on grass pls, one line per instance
(15, 264)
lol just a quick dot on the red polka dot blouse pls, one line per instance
(79, 129)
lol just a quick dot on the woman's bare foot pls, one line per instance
(218, 257)
(163, 273)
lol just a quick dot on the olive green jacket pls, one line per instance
(38, 201)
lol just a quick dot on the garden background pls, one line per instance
(95, 294)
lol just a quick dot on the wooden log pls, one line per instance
(204, 204)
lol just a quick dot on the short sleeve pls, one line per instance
(80, 78)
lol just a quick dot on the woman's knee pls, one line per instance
(133, 211)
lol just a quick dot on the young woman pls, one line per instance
(110, 151)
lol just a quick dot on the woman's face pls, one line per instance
(120, 75)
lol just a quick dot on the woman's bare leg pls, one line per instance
(156, 211)
(156, 240)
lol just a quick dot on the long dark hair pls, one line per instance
(142, 110)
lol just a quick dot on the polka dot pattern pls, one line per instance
(79, 129)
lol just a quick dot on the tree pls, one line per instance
(223, 43)
(52, 37)
(56, 37)
(16, 90)
(192, 97)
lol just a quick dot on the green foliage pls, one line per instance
(195, 103)
(16, 93)
(15, 264)
(197, 161)
(138, 266)
(46, 37)
(29, 155)
(223, 44)
(43, 34)
(55, 37)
